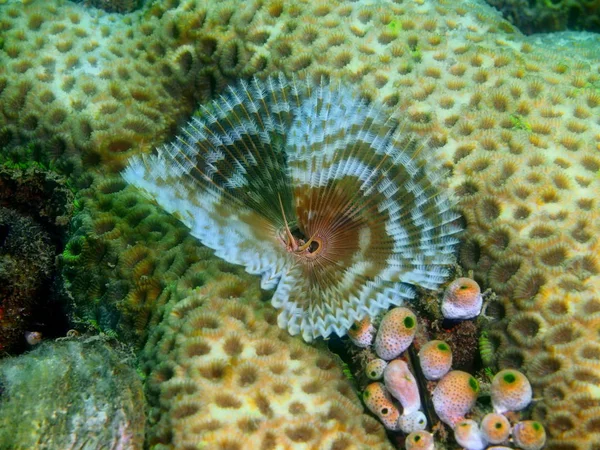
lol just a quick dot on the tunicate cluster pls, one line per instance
(395, 398)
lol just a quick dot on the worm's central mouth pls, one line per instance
(296, 242)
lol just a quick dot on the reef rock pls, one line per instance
(70, 395)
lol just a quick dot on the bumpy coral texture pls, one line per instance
(223, 375)
(515, 123)
(70, 78)
(122, 254)
(119, 6)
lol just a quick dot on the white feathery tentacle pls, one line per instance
(315, 189)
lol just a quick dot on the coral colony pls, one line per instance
(316, 190)
(513, 120)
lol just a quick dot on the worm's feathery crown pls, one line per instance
(316, 190)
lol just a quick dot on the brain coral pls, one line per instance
(515, 123)
(122, 254)
(70, 77)
(222, 375)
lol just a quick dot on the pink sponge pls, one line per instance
(401, 383)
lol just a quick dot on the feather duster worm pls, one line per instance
(316, 190)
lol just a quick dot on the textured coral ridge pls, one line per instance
(276, 156)
(122, 254)
(78, 79)
(222, 375)
(516, 123)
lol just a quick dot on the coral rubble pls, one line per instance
(26, 261)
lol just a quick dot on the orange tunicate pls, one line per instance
(379, 402)
(396, 332)
(435, 358)
(454, 396)
(511, 391)
(374, 368)
(495, 428)
(419, 440)
(529, 435)
(362, 332)
(468, 435)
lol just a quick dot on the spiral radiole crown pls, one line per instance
(313, 188)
